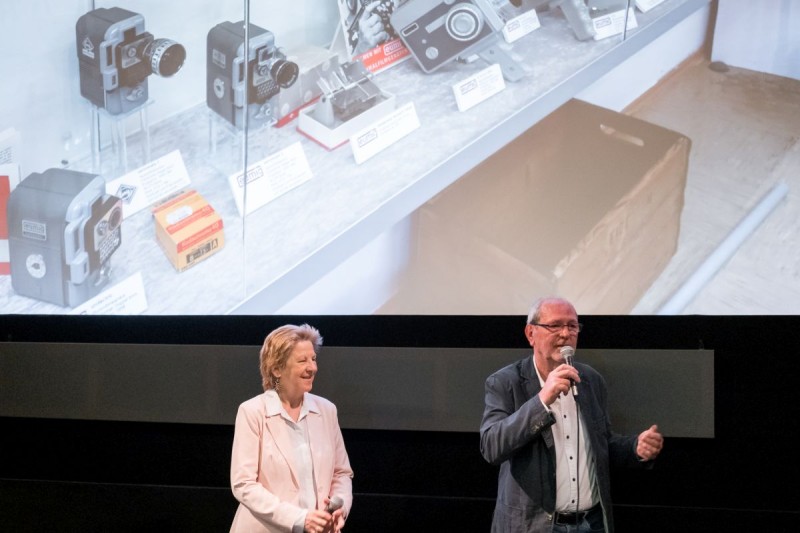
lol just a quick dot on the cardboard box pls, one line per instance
(188, 229)
(585, 205)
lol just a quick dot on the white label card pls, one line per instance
(478, 87)
(125, 298)
(270, 178)
(150, 183)
(646, 5)
(520, 26)
(384, 132)
(613, 23)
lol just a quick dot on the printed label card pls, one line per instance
(269, 178)
(150, 183)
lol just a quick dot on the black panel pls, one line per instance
(743, 478)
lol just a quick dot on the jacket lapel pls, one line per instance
(277, 428)
(316, 431)
(530, 383)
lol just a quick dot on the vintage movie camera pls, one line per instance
(437, 32)
(116, 56)
(242, 83)
(62, 230)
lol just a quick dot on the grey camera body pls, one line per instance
(579, 14)
(62, 230)
(437, 32)
(242, 83)
(116, 55)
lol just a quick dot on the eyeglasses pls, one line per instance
(573, 327)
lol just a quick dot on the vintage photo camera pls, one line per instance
(62, 230)
(242, 83)
(116, 56)
(436, 32)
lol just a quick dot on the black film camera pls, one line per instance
(62, 230)
(116, 56)
(436, 32)
(239, 82)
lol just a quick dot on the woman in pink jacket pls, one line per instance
(289, 467)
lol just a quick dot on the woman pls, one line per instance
(289, 467)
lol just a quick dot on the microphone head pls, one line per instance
(567, 352)
(335, 503)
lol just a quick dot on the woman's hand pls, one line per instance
(319, 522)
(337, 520)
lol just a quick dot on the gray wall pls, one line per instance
(423, 389)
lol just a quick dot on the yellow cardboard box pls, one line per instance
(188, 229)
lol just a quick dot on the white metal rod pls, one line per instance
(687, 292)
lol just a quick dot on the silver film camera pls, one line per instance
(439, 31)
(62, 230)
(116, 56)
(242, 83)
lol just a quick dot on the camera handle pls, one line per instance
(493, 53)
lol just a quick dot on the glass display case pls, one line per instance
(126, 128)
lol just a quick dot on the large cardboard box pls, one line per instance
(584, 205)
(188, 229)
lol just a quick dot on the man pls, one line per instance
(554, 447)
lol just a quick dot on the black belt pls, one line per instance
(572, 519)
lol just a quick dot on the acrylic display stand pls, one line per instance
(226, 143)
(117, 129)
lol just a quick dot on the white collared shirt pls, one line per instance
(298, 436)
(574, 474)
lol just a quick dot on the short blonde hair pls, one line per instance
(278, 347)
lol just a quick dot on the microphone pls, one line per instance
(334, 504)
(568, 352)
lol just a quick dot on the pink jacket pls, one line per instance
(263, 476)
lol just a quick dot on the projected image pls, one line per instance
(125, 193)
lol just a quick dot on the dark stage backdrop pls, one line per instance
(74, 441)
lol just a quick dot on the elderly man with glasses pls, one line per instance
(546, 424)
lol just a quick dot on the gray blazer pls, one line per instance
(516, 434)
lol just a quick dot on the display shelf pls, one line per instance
(277, 251)
(448, 145)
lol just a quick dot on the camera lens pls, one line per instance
(284, 72)
(165, 56)
(114, 218)
(463, 22)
